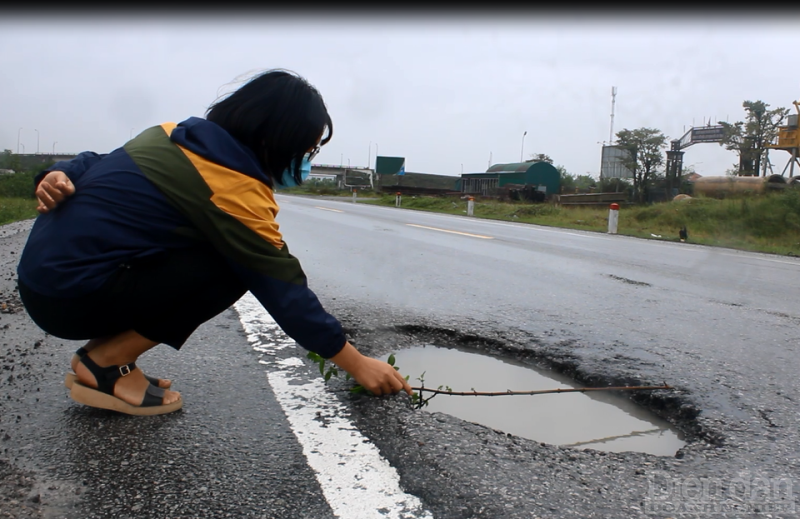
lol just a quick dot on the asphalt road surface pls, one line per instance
(261, 434)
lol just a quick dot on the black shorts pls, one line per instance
(163, 298)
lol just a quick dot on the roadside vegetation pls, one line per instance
(17, 201)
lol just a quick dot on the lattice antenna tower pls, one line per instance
(613, 102)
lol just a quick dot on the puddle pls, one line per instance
(601, 421)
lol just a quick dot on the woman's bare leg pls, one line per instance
(93, 343)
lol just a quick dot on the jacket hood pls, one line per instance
(213, 143)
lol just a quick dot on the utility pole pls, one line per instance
(613, 102)
(758, 142)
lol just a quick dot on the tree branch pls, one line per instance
(538, 392)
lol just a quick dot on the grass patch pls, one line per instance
(325, 188)
(17, 198)
(765, 223)
(16, 209)
(17, 185)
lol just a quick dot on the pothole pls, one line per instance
(597, 420)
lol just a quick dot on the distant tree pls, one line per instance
(567, 180)
(585, 182)
(540, 157)
(646, 155)
(749, 138)
(574, 183)
(684, 186)
(615, 185)
(10, 160)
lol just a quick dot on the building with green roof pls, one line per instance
(541, 174)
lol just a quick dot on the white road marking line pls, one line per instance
(356, 480)
(770, 260)
(328, 209)
(559, 230)
(452, 232)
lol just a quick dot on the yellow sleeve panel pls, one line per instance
(248, 200)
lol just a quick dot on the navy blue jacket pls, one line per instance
(172, 187)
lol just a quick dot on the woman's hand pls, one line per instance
(52, 190)
(375, 375)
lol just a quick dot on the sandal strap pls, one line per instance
(82, 352)
(107, 377)
(153, 380)
(153, 396)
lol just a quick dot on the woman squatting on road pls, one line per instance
(140, 246)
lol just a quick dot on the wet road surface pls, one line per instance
(719, 325)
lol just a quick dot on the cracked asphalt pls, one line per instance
(724, 337)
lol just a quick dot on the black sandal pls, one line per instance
(103, 397)
(72, 377)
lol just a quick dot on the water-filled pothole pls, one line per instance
(596, 420)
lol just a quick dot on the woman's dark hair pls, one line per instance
(279, 116)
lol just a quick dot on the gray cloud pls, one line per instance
(440, 92)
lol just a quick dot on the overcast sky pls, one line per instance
(441, 92)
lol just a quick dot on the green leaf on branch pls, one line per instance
(360, 389)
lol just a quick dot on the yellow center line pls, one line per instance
(326, 209)
(453, 232)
